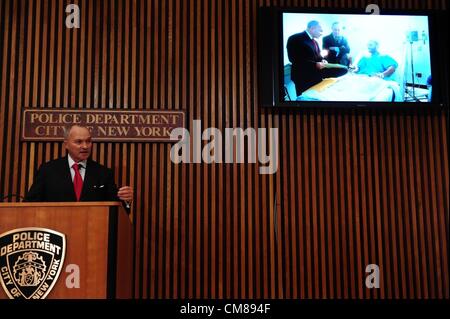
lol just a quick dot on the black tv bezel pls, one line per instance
(271, 66)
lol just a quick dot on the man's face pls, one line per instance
(372, 46)
(316, 31)
(79, 143)
(336, 30)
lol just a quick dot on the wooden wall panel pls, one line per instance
(352, 188)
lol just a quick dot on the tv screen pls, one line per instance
(341, 58)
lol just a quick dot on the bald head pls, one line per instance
(78, 142)
(75, 128)
(315, 29)
(372, 46)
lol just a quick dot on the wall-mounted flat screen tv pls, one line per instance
(349, 59)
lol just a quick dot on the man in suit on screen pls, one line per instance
(337, 46)
(76, 177)
(308, 65)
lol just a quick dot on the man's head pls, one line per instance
(78, 142)
(372, 46)
(336, 28)
(315, 29)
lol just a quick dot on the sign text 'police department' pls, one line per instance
(105, 125)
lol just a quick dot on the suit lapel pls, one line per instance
(67, 183)
(88, 181)
(315, 47)
(312, 44)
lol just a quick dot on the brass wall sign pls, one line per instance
(105, 125)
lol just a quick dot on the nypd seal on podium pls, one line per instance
(31, 260)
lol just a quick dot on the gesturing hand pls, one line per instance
(125, 193)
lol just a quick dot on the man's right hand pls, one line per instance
(125, 193)
(320, 65)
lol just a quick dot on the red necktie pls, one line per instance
(77, 181)
(316, 46)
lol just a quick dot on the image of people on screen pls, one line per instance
(376, 64)
(308, 65)
(356, 50)
(336, 46)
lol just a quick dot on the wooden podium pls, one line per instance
(98, 241)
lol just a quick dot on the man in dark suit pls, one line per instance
(308, 66)
(337, 46)
(76, 177)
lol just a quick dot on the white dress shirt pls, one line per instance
(81, 167)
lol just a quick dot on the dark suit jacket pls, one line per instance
(303, 56)
(53, 183)
(342, 44)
